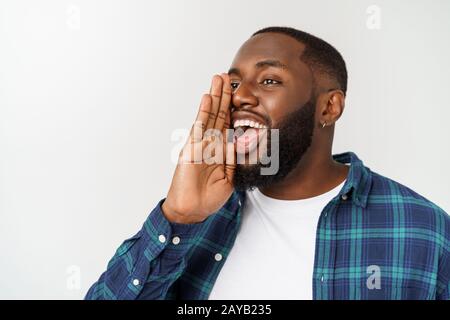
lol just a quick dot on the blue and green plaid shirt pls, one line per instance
(377, 239)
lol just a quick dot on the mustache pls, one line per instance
(266, 117)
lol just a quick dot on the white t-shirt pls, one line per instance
(273, 255)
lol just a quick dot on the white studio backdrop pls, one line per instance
(92, 92)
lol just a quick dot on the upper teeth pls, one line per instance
(248, 123)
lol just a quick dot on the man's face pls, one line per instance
(271, 87)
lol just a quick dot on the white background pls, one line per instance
(91, 92)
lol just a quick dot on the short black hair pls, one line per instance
(319, 55)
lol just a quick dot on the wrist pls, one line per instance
(174, 216)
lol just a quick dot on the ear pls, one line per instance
(331, 106)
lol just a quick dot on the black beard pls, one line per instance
(295, 137)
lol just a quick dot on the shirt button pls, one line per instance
(162, 238)
(218, 257)
(176, 240)
(321, 278)
(239, 202)
(344, 197)
(136, 282)
(325, 214)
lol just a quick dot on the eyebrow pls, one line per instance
(262, 64)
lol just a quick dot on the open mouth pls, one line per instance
(248, 135)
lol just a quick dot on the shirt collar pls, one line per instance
(358, 182)
(359, 178)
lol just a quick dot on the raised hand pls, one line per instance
(202, 181)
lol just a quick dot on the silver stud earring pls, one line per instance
(324, 124)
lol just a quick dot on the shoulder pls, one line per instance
(408, 207)
(415, 229)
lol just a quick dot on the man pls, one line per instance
(320, 226)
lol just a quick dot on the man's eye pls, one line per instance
(234, 85)
(270, 81)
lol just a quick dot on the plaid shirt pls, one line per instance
(377, 239)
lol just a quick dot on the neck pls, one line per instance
(315, 174)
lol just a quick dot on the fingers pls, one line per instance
(216, 95)
(204, 113)
(223, 114)
(214, 111)
(230, 156)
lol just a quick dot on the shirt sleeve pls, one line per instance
(150, 261)
(443, 279)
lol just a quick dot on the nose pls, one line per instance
(243, 96)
